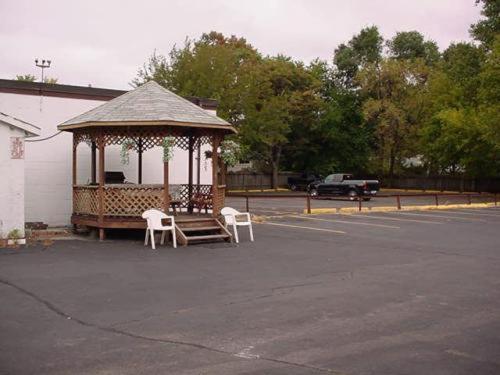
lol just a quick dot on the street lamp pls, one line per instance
(44, 64)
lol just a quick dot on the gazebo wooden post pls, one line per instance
(198, 167)
(223, 169)
(75, 145)
(166, 194)
(93, 163)
(215, 171)
(190, 173)
(74, 179)
(139, 158)
(100, 219)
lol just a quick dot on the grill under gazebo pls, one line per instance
(143, 118)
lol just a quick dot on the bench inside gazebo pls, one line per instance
(144, 118)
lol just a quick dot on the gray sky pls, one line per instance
(104, 42)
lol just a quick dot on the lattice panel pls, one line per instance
(131, 201)
(85, 201)
(150, 136)
(200, 141)
(81, 137)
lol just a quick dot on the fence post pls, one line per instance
(436, 198)
(359, 203)
(398, 201)
(247, 205)
(468, 199)
(308, 203)
(495, 199)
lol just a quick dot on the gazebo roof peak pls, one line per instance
(148, 104)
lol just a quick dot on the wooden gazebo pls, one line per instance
(143, 118)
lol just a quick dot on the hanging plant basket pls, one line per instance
(168, 144)
(229, 153)
(127, 145)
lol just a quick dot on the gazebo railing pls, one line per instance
(132, 200)
(85, 200)
(125, 200)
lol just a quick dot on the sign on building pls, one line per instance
(16, 147)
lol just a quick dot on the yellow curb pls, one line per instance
(430, 191)
(258, 218)
(351, 210)
(256, 190)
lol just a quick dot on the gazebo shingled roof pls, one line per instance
(149, 104)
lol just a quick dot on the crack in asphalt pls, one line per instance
(64, 315)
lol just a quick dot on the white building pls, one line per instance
(48, 166)
(13, 132)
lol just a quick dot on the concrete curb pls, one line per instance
(353, 210)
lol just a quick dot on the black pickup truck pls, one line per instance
(345, 185)
(302, 182)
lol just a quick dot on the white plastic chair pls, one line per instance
(230, 218)
(154, 218)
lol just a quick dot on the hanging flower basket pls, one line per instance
(127, 145)
(229, 153)
(168, 144)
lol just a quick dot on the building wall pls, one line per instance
(12, 184)
(48, 163)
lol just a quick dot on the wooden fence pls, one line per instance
(248, 180)
(260, 181)
(443, 183)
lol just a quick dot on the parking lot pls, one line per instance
(413, 292)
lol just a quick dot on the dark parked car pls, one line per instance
(345, 185)
(302, 182)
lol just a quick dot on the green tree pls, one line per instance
(208, 67)
(26, 78)
(395, 107)
(411, 45)
(279, 99)
(50, 80)
(364, 48)
(486, 30)
(461, 134)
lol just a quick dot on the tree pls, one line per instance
(486, 30)
(26, 78)
(456, 141)
(278, 98)
(411, 45)
(207, 67)
(50, 80)
(364, 48)
(395, 107)
(461, 134)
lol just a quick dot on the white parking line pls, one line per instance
(438, 216)
(345, 222)
(471, 212)
(396, 219)
(301, 227)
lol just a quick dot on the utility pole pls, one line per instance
(44, 64)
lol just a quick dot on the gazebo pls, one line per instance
(144, 118)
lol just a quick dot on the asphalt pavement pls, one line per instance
(372, 293)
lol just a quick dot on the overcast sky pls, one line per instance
(104, 42)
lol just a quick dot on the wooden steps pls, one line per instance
(197, 230)
(208, 237)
